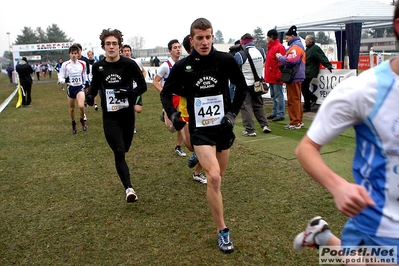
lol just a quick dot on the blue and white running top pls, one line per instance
(369, 103)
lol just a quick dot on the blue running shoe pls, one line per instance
(193, 160)
(224, 243)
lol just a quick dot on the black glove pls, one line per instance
(177, 123)
(90, 100)
(330, 69)
(228, 120)
(121, 94)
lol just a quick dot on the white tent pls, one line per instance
(371, 13)
(347, 19)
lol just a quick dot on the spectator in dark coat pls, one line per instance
(25, 71)
(314, 57)
(156, 61)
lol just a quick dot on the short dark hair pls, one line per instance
(73, 47)
(201, 24)
(171, 42)
(187, 44)
(127, 46)
(79, 46)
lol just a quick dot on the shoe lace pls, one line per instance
(224, 238)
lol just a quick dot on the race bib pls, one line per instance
(75, 80)
(114, 104)
(209, 110)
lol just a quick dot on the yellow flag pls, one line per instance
(19, 102)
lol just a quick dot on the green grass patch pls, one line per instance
(62, 202)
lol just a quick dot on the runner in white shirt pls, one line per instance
(162, 75)
(74, 73)
(369, 104)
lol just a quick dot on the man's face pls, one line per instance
(289, 37)
(74, 55)
(202, 41)
(126, 52)
(111, 47)
(176, 50)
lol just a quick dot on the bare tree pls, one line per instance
(137, 43)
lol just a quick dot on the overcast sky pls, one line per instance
(156, 21)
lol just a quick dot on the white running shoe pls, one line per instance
(179, 152)
(247, 134)
(306, 238)
(266, 129)
(200, 178)
(131, 195)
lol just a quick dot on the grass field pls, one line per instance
(62, 202)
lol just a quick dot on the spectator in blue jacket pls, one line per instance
(9, 70)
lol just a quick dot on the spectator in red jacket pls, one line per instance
(273, 74)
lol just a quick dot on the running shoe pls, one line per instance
(292, 127)
(179, 152)
(84, 117)
(224, 243)
(200, 178)
(266, 129)
(131, 195)
(135, 131)
(306, 238)
(193, 160)
(83, 122)
(162, 117)
(96, 107)
(247, 134)
(278, 118)
(74, 127)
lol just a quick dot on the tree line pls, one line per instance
(54, 34)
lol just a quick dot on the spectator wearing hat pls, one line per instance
(295, 55)
(25, 71)
(273, 74)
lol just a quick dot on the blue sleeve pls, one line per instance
(238, 58)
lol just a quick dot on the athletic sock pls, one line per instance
(322, 238)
